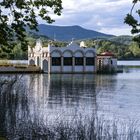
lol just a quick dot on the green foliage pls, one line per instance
(123, 39)
(135, 50)
(60, 44)
(128, 50)
(23, 13)
(131, 20)
(122, 47)
(17, 51)
(89, 43)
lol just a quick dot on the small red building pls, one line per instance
(106, 62)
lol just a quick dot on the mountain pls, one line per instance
(36, 35)
(66, 33)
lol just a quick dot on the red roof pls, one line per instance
(106, 54)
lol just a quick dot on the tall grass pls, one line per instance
(78, 128)
(93, 129)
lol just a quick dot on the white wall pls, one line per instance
(67, 68)
(55, 68)
(79, 68)
(90, 68)
(106, 61)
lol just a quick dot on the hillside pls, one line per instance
(66, 33)
(124, 39)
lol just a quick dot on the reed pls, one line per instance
(77, 128)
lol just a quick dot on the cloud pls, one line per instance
(116, 30)
(101, 15)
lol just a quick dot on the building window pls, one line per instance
(111, 62)
(90, 61)
(56, 61)
(79, 61)
(67, 61)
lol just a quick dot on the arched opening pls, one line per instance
(31, 62)
(90, 58)
(79, 61)
(38, 61)
(67, 57)
(56, 58)
(56, 61)
(67, 61)
(45, 65)
(79, 58)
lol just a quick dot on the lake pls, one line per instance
(39, 100)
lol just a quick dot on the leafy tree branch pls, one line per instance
(16, 15)
(132, 21)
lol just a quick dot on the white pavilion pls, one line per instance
(73, 58)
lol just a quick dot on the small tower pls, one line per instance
(38, 45)
(82, 44)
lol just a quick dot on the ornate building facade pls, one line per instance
(70, 59)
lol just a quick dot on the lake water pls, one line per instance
(40, 99)
(129, 63)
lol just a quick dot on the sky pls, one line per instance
(106, 16)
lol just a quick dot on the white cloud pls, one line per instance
(100, 15)
(116, 30)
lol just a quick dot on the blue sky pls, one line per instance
(105, 16)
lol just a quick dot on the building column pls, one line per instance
(49, 64)
(73, 64)
(62, 63)
(95, 64)
(84, 68)
(41, 63)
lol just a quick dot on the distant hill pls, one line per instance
(66, 33)
(36, 36)
(124, 39)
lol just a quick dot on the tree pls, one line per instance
(17, 15)
(131, 20)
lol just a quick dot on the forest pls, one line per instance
(122, 46)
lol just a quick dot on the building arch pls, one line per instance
(67, 53)
(45, 65)
(56, 53)
(79, 53)
(38, 60)
(90, 53)
(31, 62)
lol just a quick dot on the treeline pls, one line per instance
(121, 51)
(15, 51)
(123, 47)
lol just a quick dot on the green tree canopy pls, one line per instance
(16, 15)
(134, 22)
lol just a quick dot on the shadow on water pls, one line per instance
(40, 107)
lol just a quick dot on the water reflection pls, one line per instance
(62, 94)
(30, 103)
(35, 101)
